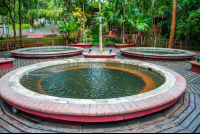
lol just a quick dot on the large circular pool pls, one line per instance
(47, 52)
(91, 90)
(92, 80)
(157, 53)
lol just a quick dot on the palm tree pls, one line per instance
(66, 28)
(173, 25)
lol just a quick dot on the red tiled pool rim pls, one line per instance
(46, 55)
(157, 57)
(91, 110)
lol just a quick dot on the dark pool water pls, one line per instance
(157, 52)
(92, 81)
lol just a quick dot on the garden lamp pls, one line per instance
(110, 51)
(5, 55)
(90, 50)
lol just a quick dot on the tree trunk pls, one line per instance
(13, 19)
(4, 26)
(173, 25)
(123, 41)
(83, 24)
(152, 5)
(100, 29)
(20, 23)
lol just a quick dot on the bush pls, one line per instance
(116, 40)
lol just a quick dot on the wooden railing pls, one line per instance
(178, 44)
(11, 45)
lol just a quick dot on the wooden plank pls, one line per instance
(192, 89)
(197, 100)
(195, 124)
(173, 129)
(198, 130)
(2, 130)
(187, 112)
(193, 78)
(195, 88)
(178, 112)
(30, 117)
(188, 89)
(32, 125)
(169, 111)
(9, 127)
(155, 127)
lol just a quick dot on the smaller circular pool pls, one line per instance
(47, 52)
(157, 53)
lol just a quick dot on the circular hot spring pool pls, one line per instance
(152, 53)
(91, 90)
(47, 52)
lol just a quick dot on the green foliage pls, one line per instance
(25, 26)
(66, 28)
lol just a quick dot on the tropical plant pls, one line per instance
(66, 28)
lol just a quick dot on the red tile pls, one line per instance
(134, 106)
(71, 109)
(85, 110)
(38, 108)
(64, 109)
(58, 108)
(100, 110)
(128, 108)
(51, 108)
(45, 107)
(139, 105)
(79, 109)
(107, 110)
(32, 107)
(121, 108)
(93, 110)
(115, 110)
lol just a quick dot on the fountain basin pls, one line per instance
(82, 45)
(5, 64)
(47, 52)
(163, 54)
(195, 66)
(91, 110)
(124, 45)
(106, 55)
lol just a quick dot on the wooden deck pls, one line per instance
(183, 116)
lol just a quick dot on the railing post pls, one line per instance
(7, 45)
(52, 42)
(37, 41)
(166, 44)
(151, 42)
(181, 43)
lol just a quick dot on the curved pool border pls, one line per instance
(91, 110)
(162, 57)
(46, 55)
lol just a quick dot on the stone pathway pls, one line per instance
(183, 116)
